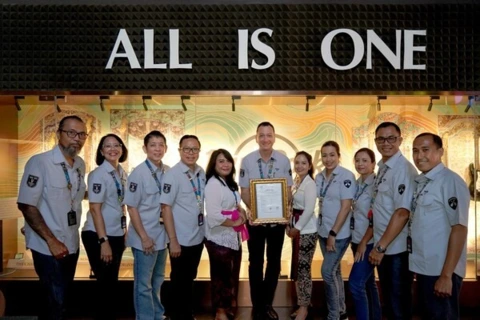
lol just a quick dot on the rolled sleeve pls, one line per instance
(32, 183)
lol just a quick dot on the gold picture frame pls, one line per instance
(268, 201)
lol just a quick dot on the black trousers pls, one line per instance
(262, 289)
(106, 274)
(182, 276)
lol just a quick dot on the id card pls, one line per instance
(352, 223)
(409, 244)
(123, 222)
(200, 219)
(72, 218)
(319, 219)
(161, 218)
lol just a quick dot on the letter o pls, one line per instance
(357, 44)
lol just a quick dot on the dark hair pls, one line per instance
(388, 124)
(266, 124)
(332, 143)
(436, 139)
(64, 119)
(100, 158)
(370, 153)
(189, 136)
(151, 134)
(309, 160)
(211, 172)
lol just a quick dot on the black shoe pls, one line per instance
(343, 316)
(270, 313)
(258, 314)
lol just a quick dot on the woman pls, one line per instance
(104, 229)
(225, 220)
(303, 231)
(335, 191)
(362, 278)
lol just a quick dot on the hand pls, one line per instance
(294, 232)
(443, 287)
(360, 254)
(375, 257)
(174, 248)
(249, 214)
(148, 245)
(243, 213)
(331, 243)
(238, 222)
(57, 248)
(106, 252)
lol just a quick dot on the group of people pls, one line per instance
(396, 220)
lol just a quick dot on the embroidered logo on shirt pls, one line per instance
(97, 187)
(347, 183)
(401, 188)
(242, 173)
(32, 181)
(453, 203)
(133, 187)
(167, 187)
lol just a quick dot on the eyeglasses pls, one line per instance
(113, 146)
(72, 134)
(390, 139)
(190, 150)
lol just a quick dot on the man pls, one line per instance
(264, 163)
(392, 196)
(182, 209)
(50, 196)
(438, 227)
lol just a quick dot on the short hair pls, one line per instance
(309, 160)
(368, 151)
(151, 134)
(100, 158)
(211, 172)
(189, 136)
(436, 139)
(332, 143)
(265, 124)
(65, 119)
(388, 124)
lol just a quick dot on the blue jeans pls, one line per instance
(332, 277)
(436, 308)
(396, 284)
(56, 276)
(149, 273)
(363, 287)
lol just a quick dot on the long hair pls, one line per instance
(211, 172)
(309, 160)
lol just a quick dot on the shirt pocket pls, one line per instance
(57, 189)
(153, 194)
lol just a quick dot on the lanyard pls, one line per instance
(358, 194)
(154, 175)
(416, 195)
(322, 191)
(197, 191)
(270, 168)
(378, 181)
(120, 189)
(69, 183)
(236, 200)
(297, 185)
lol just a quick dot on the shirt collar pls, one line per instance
(273, 156)
(369, 179)
(186, 168)
(392, 161)
(58, 158)
(154, 167)
(334, 172)
(432, 174)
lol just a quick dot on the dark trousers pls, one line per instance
(106, 274)
(396, 284)
(262, 290)
(182, 276)
(56, 276)
(224, 274)
(433, 307)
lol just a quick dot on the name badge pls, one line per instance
(409, 244)
(123, 222)
(352, 223)
(72, 218)
(200, 219)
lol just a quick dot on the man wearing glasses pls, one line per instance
(392, 199)
(50, 196)
(183, 215)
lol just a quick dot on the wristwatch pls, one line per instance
(380, 249)
(102, 239)
(332, 233)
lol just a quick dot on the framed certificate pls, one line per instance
(268, 201)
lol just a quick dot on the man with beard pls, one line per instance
(50, 196)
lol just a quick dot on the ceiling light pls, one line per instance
(183, 103)
(143, 101)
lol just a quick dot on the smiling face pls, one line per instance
(364, 164)
(426, 154)
(71, 146)
(265, 138)
(223, 167)
(388, 148)
(189, 151)
(112, 149)
(301, 165)
(330, 157)
(155, 149)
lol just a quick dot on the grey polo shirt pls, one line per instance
(179, 194)
(341, 188)
(394, 192)
(249, 168)
(443, 204)
(44, 185)
(364, 192)
(142, 193)
(103, 189)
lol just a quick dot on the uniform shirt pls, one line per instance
(44, 186)
(364, 192)
(179, 194)
(143, 194)
(219, 197)
(443, 203)
(249, 168)
(395, 191)
(103, 189)
(304, 198)
(341, 188)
